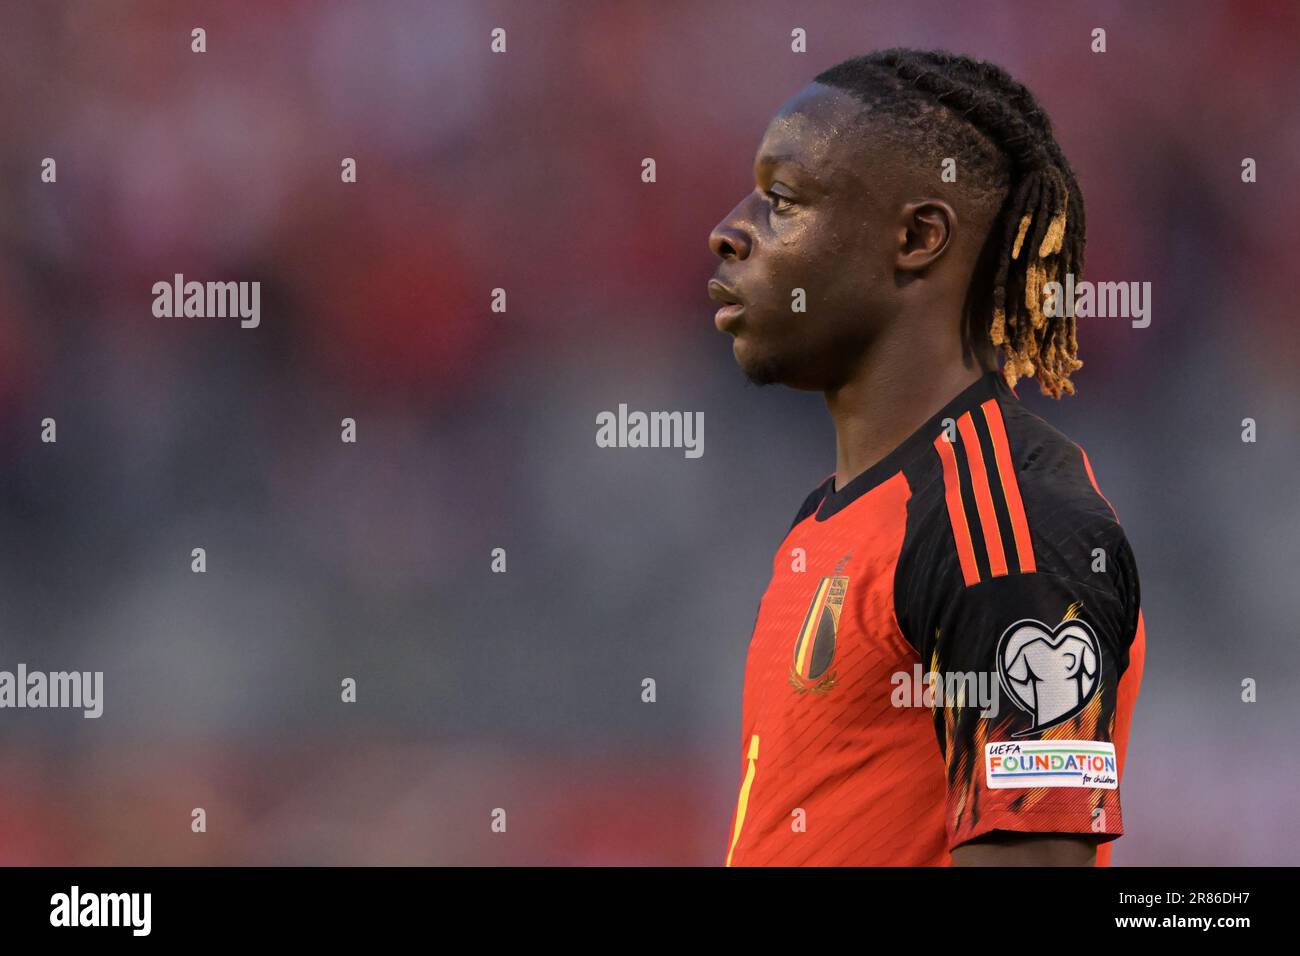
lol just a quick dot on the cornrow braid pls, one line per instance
(953, 105)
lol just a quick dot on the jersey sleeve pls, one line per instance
(1023, 668)
(1028, 668)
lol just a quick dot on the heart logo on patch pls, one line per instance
(1049, 673)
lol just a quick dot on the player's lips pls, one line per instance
(732, 305)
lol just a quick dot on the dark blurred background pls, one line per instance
(476, 430)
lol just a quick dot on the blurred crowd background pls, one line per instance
(476, 429)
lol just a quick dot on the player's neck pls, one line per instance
(887, 401)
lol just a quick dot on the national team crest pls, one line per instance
(1049, 672)
(815, 649)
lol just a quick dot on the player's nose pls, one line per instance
(729, 240)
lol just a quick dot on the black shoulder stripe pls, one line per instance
(997, 493)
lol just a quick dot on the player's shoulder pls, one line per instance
(1006, 517)
(1004, 492)
(1067, 515)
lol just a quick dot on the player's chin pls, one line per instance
(761, 366)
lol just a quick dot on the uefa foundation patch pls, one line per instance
(1051, 763)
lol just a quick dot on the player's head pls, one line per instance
(919, 199)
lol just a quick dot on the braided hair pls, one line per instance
(941, 105)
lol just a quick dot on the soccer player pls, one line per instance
(946, 658)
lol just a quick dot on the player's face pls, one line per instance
(817, 220)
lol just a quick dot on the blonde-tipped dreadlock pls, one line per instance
(995, 127)
(1033, 342)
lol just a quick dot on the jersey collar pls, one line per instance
(990, 385)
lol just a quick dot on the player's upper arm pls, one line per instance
(1027, 648)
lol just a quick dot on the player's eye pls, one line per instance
(780, 203)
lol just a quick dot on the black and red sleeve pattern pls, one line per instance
(1018, 589)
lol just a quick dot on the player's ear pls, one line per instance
(925, 230)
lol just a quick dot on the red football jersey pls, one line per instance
(950, 644)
